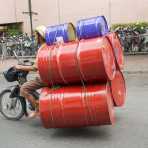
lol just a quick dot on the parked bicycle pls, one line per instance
(22, 44)
(133, 40)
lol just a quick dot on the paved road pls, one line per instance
(130, 130)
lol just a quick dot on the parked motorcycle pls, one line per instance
(12, 105)
(132, 39)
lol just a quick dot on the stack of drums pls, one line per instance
(84, 76)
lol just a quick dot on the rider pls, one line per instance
(31, 86)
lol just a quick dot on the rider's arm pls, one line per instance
(27, 68)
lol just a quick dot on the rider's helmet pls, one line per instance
(41, 31)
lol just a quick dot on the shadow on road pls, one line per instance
(82, 133)
(98, 132)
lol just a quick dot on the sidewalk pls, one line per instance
(136, 64)
(133, 64)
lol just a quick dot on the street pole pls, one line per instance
(30, 15)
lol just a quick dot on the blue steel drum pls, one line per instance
(63, 32)
(92, 27)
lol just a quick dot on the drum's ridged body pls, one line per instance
(76, 106)
(86, 61)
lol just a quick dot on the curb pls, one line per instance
(135, 53)
(135, 72)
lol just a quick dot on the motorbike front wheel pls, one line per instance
(11, 108)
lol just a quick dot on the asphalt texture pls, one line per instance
(129, 131)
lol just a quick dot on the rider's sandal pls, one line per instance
(35, 113)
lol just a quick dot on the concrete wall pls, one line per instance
(7, 11)
(59, 11)
(123, 11)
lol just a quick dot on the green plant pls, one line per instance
(141, 27)
(14, 29)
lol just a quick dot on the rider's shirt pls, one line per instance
(36, 62)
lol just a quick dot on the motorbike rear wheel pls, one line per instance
(11, 108)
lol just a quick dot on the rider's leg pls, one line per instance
(29, 87)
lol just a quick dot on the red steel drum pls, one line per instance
(43, 60)
(117, 49)
(96, 60)
(118, 89)
(76, 106)
(64, 67)
(88, 61)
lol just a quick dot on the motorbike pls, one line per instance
(12, 105)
